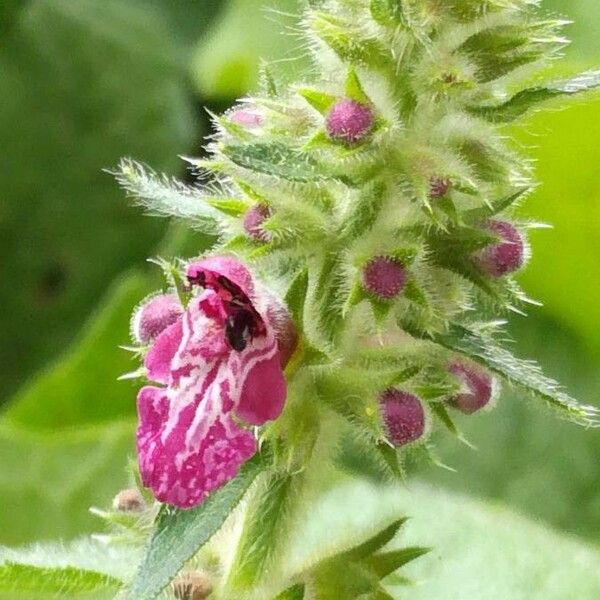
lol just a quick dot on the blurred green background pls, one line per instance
(85, 82)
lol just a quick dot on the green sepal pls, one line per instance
(354, 89)
(500, 49)
(525, 100)
(391, 457)
(347, 42)
(234, 207)
(320, 101)
(374, 543)
(496, 206)
(386, 563)
(295, 298)
(365, 211)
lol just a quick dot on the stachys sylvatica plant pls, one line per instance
(366, 247)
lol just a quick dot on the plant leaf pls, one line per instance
(275, 159)
(525, 100)
(33, 583)
(294, 593)
(484, 350)
(179, 534)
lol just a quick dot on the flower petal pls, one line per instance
(212, 268)
(263, 390)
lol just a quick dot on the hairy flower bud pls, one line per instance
(384, 277)
(439, 187)
(403, 416)
(129, 500)
(153, 317)
(192, 586)
(253, 220)
(477, 387)
(349, 121)
(504, 256)
(247, 116)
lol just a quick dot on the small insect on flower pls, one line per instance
(504, 256)
(349, 121)
(220, 370)
(192, 586)
(384, 277)
(477, 387)
(403, 416)
(129, 500)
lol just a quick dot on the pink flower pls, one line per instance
(349, 121)
(505, 256)
(220, 369)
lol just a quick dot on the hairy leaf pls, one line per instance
(483, 349)
(527, 99)
(38, 583)
(179, 534)
(275, 159)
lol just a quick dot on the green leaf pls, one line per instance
(37, 583)
(295, 298)
(296, 592)
(179, 534)
(165, 197)
(275, 159)
(264, 526)
(526, 374)
(480, 550)
(527, 99)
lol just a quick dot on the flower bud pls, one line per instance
(403, 416)
(155, 316)
(477, 387)
(247, 116)
(439, 187)
(253, 220)
(384, 277)
(349, 121)
(129, 500)
(504, 256)
(192, 586)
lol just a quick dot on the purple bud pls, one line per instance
(477, 387)
(247, 116)
(349, 121)
(253, 220)
(385, 277)
(439, 187)
(506, 255)
(403, 416)
(154, 316)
